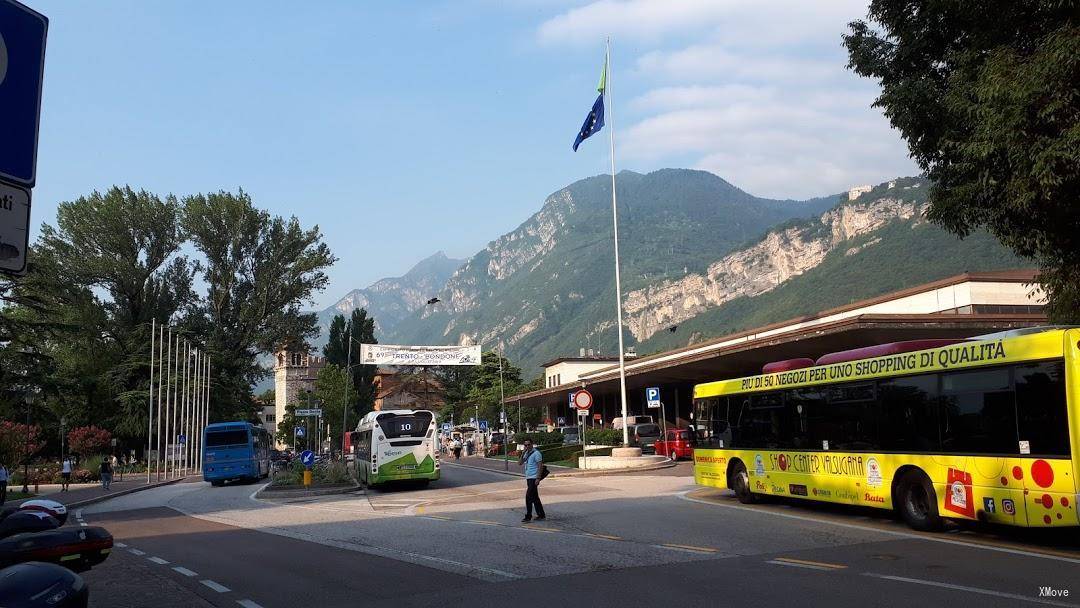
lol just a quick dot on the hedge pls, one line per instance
(603, 436)
(539, 438)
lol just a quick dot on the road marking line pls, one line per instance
(481, 522)
(811, 563)
(440, 517)
(185, 571)
(1012, 596)
(136, 552)
(690, 548)
(601, 536)
(248, 604)
(158, 560)
(540, 529)
(794, 565)
(684, 549)
(840, 524)
(82, 523)
(121, 545)
(215, 586)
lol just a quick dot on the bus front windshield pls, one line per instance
(405, 425)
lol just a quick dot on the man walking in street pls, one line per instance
(533, 461)
(3, 483)
(106, 472)
(65, 474)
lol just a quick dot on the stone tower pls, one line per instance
(294, 375)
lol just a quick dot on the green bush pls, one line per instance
(539, 439)
(603, 436)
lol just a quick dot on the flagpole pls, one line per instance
(150, 390)
(610, 119)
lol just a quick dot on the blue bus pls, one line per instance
(235, 450)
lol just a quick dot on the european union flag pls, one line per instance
(593, 122)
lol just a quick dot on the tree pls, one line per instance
(109, 266)
(331, 389)
(361, 328)
(259, 270)
(88, 440)
(467, 387)
(17, 443)
(987, 95)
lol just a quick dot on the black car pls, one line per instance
(644, 436)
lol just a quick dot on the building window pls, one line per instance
(271, 418)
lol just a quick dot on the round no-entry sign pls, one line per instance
(583, 399)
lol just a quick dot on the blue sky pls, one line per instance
(406, 128)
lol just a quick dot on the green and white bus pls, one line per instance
(397, 445)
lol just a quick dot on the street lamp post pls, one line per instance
(26, 448)
(502, 416)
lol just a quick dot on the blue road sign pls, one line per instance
(307, 457)
(446, 427)
(182, 440)
(299, 431)
(652, 396)
(560, 421)
(22, 65)
(483, 426)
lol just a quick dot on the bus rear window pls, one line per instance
(408, 425)
(218, 439)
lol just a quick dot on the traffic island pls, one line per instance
(623, 459)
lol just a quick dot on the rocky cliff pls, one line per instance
(761, 267)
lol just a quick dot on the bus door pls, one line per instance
(979, 476)
(1045, 465)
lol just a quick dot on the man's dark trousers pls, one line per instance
(532, 497)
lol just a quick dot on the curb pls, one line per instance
(90, 501)
(267, 494)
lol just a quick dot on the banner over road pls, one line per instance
(392, 354)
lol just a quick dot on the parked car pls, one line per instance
(644, 436)
(676, 444)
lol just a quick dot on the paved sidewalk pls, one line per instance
(491, 464)
(85, 494)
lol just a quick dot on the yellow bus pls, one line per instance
(982, 429)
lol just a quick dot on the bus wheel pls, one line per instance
(217, 483)
(917, 502)
(739, 481)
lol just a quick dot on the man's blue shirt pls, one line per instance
(532, 464)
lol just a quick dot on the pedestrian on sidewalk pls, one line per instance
(457, 448)
(106, 472)
(65, 474)
(3, 483)
(533, 461)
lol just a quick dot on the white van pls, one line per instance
(618, 423)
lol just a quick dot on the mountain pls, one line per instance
(547, 288)
(873, 245)
(392, 299)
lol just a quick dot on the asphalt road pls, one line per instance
(621, 540)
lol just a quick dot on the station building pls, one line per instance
(961, 306)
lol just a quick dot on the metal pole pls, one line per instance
(183, 408)
(169, 401)
(26, 447)
(157, 435)
(196, 410)
(150, 412)
(348, 384)
(502, 416)
(615, 223)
